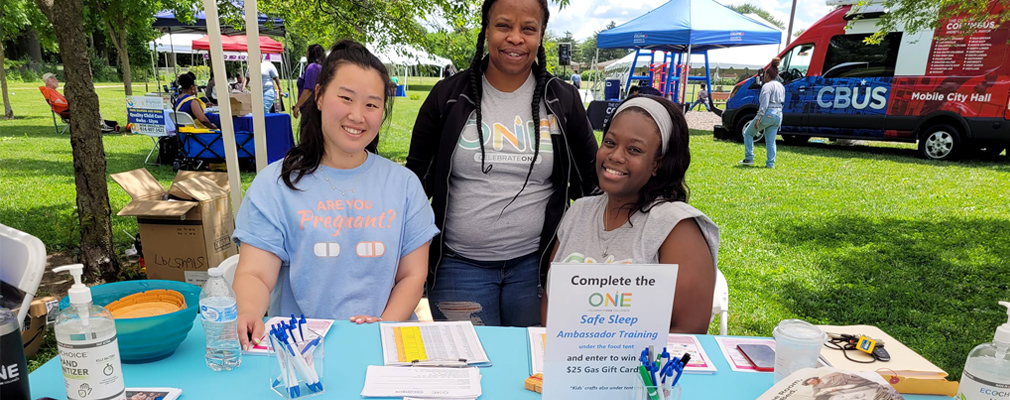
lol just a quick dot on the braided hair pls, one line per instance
(540, 71)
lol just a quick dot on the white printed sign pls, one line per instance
(600, 318)
(146, 102)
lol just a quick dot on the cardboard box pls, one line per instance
(185, 230)
(241, 103)
(34, 327)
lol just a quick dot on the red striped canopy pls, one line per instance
(239, 43)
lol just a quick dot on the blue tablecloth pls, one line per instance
(280, 136)
(350, 348)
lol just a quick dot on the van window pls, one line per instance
(848, 57)
(796, 62)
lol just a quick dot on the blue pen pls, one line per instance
(680, 372)
(293, 389)
(294, 324)
(649, 366)
(668, 368)
(301, 322)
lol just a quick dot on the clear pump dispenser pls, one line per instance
(88, 347)
(987, 372)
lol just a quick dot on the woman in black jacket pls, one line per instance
(499, 192)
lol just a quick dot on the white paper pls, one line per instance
(537, 338)
(319, 326)
(734, 357)
(699, 363)
(425, 382)
(441, 342)
(600, 318)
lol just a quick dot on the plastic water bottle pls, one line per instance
(217, 307)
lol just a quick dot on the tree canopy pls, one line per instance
(918, 15)
(752, 9)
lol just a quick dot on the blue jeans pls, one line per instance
(505, 293)
(704, 103)
(770, 124)
(269, 97)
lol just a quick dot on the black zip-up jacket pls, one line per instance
(436, 132)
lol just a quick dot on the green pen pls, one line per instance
(652, 391)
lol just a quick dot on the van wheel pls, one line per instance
(941, 142)
(796, 139)
(741, 123)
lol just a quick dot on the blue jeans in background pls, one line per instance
(269, 97)
(495, 293)
(704, 103)
(770, 124)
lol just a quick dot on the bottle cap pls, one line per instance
(1003, 331)
(79, 293)
(215, 272)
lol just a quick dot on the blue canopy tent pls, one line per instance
(166, 21)
(683, 26)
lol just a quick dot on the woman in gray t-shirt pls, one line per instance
(643, 216)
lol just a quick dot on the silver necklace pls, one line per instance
(326, 176)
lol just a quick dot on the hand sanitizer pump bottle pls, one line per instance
(88, 348)
(987, 372)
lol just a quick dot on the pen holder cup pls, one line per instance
(643, 391)
(296, 377)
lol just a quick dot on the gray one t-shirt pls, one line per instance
(475, 225)
(582, 239)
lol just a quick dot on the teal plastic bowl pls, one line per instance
(148, 339)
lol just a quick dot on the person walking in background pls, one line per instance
(501, 148)
(307, 82)
(576, 80)
(701, 99)
(271, 84)
(768, 118)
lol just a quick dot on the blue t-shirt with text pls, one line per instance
(339, 240)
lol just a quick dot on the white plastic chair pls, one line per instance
(228, 266)
(720, 303)
(22, 264)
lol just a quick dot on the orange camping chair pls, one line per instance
(48, 94)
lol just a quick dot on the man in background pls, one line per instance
(60, 105)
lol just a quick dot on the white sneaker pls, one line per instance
(747, 162)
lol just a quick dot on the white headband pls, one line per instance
(655, 110)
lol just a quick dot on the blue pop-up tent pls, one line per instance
(167, 21)
(681, 26)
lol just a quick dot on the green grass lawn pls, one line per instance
(834, 235)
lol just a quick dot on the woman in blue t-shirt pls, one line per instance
(333, 230)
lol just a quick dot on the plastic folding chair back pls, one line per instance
(22, 265)
(228, 266)
(720, 302)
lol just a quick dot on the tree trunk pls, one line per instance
(119, 40)
(93, 211)
(8, 112)
(34, 46)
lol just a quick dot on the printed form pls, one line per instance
(425, 382)
(431, 343)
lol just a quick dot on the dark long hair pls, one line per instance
(668, 184)
(305, 158)
(316, 54)
(539, 69)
